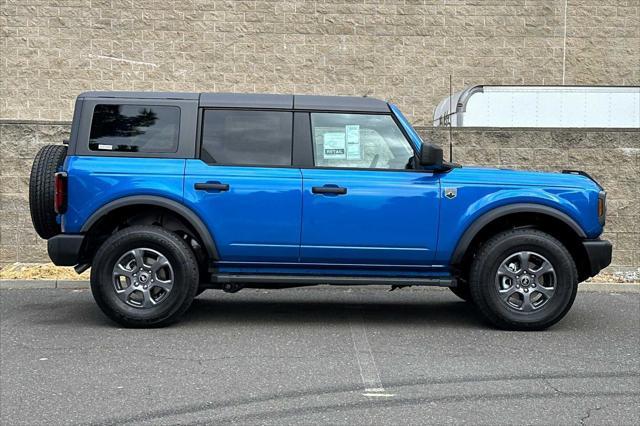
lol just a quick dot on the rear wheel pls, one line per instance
(41, 189)
(523, 280)
(144, 276)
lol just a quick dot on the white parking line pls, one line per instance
(366, 362)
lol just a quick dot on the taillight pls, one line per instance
(60, 194)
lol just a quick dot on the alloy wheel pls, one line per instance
(143, 278)
(525, 281)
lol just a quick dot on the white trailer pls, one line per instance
(541, 106)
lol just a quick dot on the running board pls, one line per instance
(333, 280)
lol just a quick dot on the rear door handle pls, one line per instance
(211, 186)
(337, 190)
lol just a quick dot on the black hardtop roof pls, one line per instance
(258, 100)
(141, 95)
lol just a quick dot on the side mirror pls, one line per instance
(430, 156)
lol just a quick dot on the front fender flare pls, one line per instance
(498, 212)
(189, 215)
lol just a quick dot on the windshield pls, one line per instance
(416, 140)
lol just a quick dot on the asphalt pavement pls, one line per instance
(317, 355)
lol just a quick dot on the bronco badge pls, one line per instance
(450, 193)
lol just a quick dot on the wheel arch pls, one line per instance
(546, 218)
(188, 216)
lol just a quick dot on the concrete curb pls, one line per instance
(42, 284)
(610, 287)
(68, 284)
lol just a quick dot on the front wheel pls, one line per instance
(144, 276)
(523, 279)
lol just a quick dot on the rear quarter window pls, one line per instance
(135, 128)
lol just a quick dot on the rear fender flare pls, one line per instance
(186, 213)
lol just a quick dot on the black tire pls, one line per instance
(484, 282)
(41, 189)
(184, 270)
(462, 291)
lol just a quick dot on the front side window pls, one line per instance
(359, 141)
(252, 138)
(135, 128)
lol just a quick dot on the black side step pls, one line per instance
(334, 280)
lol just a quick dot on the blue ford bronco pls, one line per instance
(165, 195)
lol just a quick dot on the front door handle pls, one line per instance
(211, 186)
(337, 190)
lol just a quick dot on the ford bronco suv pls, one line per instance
(165, 195)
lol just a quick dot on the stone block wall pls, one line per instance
(401, 50)
(19, 143)
(611, 156)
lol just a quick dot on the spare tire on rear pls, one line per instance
(48, 161)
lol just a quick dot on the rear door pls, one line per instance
(362, 203)
(244, 187)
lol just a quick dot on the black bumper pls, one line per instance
(598, 254)
(65, 249)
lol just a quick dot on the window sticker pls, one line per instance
(353, 141)
(334, 146)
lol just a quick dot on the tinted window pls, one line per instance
(135, 128)
(247, 137)
(359, 141)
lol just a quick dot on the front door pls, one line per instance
(362, 205)
(243, 185)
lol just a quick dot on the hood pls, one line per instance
(508, 177)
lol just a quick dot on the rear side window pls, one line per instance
(251, 138)
(135, 128)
